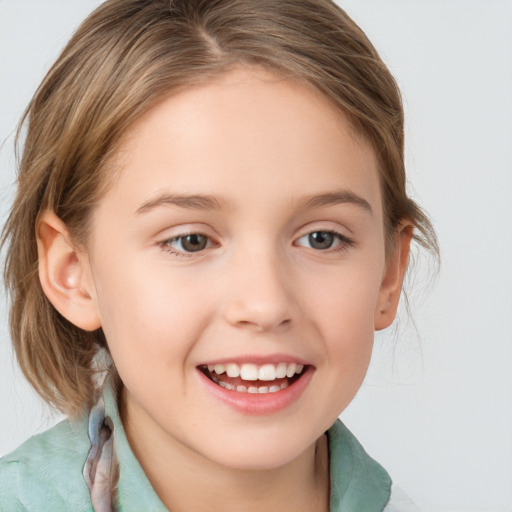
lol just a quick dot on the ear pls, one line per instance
(391, 286)
(64, 273)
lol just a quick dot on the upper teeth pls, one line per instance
(250, 371)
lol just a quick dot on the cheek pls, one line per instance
(344, 299)
(145, 319)
(343, 310)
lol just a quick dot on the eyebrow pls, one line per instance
(192, 202)
(334, 198)
(208, 202)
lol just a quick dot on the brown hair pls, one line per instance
(124, 58)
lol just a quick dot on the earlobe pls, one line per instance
(391, 286)
(64, 273)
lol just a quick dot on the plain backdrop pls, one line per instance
(436, 407)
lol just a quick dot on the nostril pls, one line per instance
(261, 312)
(261, 326)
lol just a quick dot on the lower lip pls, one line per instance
(261, 404)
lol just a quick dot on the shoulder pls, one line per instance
(358, 482)
(45, 472)
(9, 500)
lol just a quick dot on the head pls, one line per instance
(129, 60)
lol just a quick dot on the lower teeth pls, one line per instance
(250, 389)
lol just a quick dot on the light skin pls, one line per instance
(268, 162)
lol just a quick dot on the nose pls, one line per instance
(261, 296)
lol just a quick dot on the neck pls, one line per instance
(185, 480)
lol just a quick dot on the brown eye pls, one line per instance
(192, 243)
(184, 244)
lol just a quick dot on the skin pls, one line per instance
(262, 147)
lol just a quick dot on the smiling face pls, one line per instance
(236, 266)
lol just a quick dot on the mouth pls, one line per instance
(253, 378)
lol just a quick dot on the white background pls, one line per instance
(436, 409)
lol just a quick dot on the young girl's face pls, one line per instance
(243, 232)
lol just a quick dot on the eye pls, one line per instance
(322, 240)
(193, 242)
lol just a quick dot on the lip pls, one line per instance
(259, 404)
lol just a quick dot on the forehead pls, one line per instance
(245, 128)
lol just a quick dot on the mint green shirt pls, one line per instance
(45, 474)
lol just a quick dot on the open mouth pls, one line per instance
(252, 378)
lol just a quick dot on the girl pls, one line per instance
(211, 223)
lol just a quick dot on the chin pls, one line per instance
(264, 452)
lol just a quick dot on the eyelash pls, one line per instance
(344, 243)
(166, 244)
